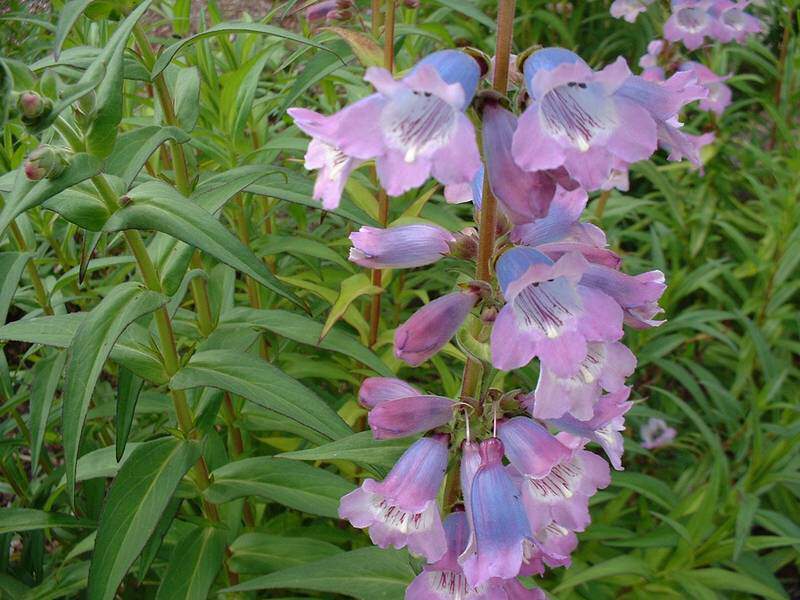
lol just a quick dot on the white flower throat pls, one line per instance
(417, 123)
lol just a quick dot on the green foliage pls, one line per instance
(184, 337)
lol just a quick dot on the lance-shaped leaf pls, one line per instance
(137, 498)
(306, 331)
(265, 385)
(27, 194)
(88, 351)
(293, 484)
(107, 106)
(193, 565)
(359, 447)
(132, 149)
(11, 266)
(260, 553)
(80, 207)
(352, 288)
(187, 97)
(226, 29)
(367, 573)
(67, 17)
(128, 387)
(368, 52)
(27, 519)
(46, 374)
(195, 226)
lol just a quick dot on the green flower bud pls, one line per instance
(45, 162)
(31, 105)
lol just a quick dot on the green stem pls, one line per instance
(38, 286)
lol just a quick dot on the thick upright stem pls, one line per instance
(383, 198)
(488, 216)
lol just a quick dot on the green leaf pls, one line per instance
(351, 288)
(46, 375)
(193, 565)
(265, 385)
(67, 17)
(364, 47)
(27, 194)
(226, 29)
(293, 484)
(195, 226)
(359, 447)
(187, 97)
(135, 503)
(260, 553)
(649, 487)
(367, 574)
(132, 149)
(11, 266)
(128, 388)
(88, 351)
(469, 9)
(619, 565)
(305, 331)
(722, 579)
(102, 463)
(82, 208)
(27, 519)
(744, 522)
(242, 107)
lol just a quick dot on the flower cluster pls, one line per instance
(520, 486)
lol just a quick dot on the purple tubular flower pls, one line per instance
(530, 447)
(500, 527)
(554, 545)
(402, 417)
(432, 326)
(560, 224)
(444, 579)
(401, 247)
(638, 295)
(401, 510)
(690, 22)
(657, 434)
(377, 390)
(524, 196)
(629, 9)
(663, 100)
(649, 62)
(604, 426)
(563, 494)
(578, 120)
(732, 23)
(548, 313)
(719, 94)
(605, 367)
(320, 10)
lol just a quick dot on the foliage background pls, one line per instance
(715, 515)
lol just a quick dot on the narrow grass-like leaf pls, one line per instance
(46, 375)
(260, 553)
(11, 266)
(359, 447)
(26, 519)
(193, 565)
(128, 388)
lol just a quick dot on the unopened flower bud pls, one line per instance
(44, 162)
(31, 105)
(344, 4)
(339, 15)
(411, 3)
(320, 10)
(465, 244)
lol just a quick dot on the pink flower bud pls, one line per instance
(412, 4)
(432, 326)
(45, 161)
(31, 105)
(320, 10)
(400, 247)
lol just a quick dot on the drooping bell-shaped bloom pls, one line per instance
(548, 313)
(577, 119)
(444, 579)
(629, 9)
(732, 22)
(605, 367)
(553, 547)
(690, 22)
(432, 326)
(656, 434)
(376, 390)
(499, 526)
(532, 449)
(638, 295)
(524, 196)
(402, 417)
(719, 94)
(401, 510)
(604, 426)
(664, 100)
(563, 494)
(561, 223)
(414, 128)
(649, 62)
(401, 247)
